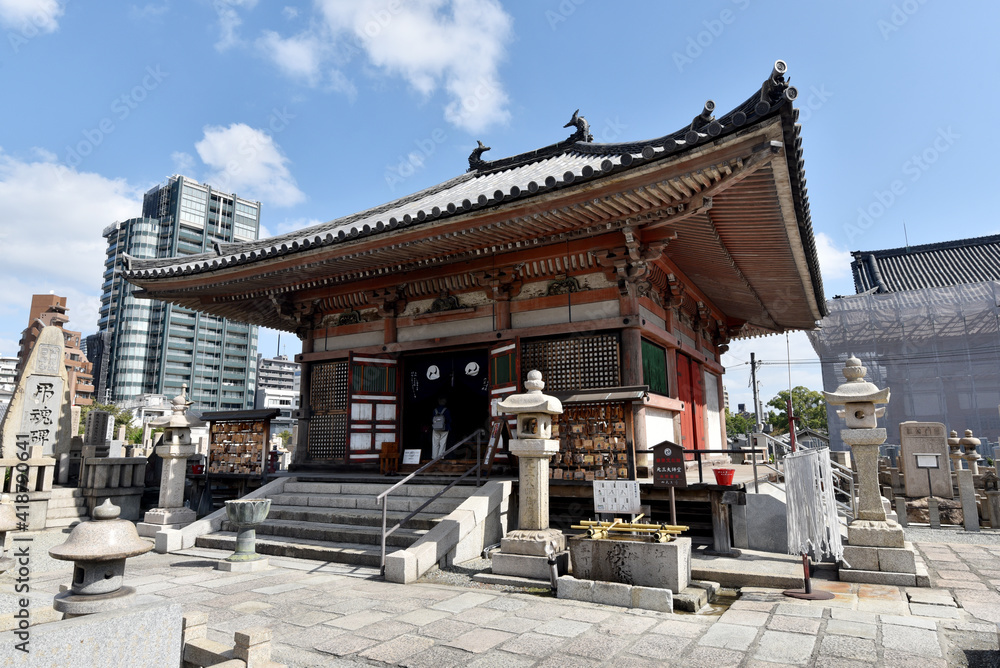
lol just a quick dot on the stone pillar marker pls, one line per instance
(877, 551)
(175, 448)
(991, 487)
(924, 438)
(523, 552)
(40, 406)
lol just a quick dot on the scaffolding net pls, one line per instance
(937, 349)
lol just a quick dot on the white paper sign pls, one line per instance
(411, 456)
(616, 496)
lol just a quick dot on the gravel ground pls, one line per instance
(952, 535)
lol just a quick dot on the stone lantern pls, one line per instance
(858, 397)
(174, 449)
(8, 522)
(524, 551)
(98, 550)
(969, 443)
(991, 487)
(955, 451)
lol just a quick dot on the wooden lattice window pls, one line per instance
(575, 363)
(328, 400)
(654, 367)
(376, 378)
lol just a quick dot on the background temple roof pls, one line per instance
(927, 266)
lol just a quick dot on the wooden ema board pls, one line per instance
(237, 447)
(593, 443)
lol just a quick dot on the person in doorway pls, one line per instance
(440, 426)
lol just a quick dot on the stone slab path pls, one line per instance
(332, 615)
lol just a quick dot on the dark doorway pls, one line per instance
(461, 377)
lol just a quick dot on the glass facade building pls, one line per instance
(155, 347)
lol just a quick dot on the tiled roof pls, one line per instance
(490, 183)
(928, 266)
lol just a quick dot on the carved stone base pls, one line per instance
(870, 533)
(533, 542)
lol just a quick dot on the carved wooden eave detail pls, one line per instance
(389, 302)
(501, 284)
(301, 315)
(675, 292)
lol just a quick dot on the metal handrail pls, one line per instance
(839, 472)
(843, 473)
(383, 498)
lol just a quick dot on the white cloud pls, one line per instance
(299, 57)
(27, 15)
(248, 162)
(50, 233)
(455, 46)
(835, 266)
(183, 162)
(230, 21)
(289, 13)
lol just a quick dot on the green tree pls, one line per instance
(738, 424)
(285, 436)
(808, 406)
(123, 416)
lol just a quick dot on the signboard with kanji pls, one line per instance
(616, 496)
(668, 465)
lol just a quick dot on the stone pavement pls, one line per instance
(335, 615)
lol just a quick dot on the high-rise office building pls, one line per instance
(154, 347)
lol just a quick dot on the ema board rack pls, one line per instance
(238, 441)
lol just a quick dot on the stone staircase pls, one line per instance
(67, 507)
(342, 521)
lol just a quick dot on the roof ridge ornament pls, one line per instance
(582, 128)
(774, 83)
(476, 157)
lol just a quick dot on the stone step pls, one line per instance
(300, 548)
(67, 502)
(75, 512)
(61, 492)
(333, 533)
(374, 489)
(443, 505)
(351, 516)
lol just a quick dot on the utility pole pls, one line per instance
(756, 399)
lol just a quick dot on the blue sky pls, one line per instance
(320, 109)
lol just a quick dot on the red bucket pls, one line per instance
(724, 477)
(197, 469)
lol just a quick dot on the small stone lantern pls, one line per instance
(523, 552)
(969, 444)
(955, 451)
(174, 449)
(98, 550)
(8, 522)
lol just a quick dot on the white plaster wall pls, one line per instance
(659, 426)
(443, 329)
(349, 341)
(559, 315)
(651, 318)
